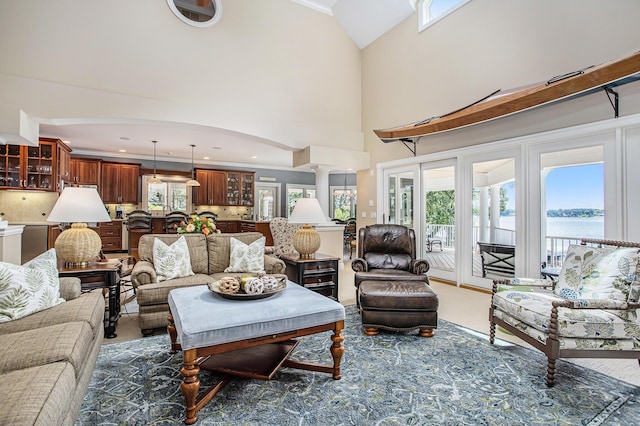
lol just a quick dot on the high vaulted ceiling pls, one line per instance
(363, 20)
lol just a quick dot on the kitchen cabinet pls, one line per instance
(228, 226)
(224, 188)
(64, 164)
(85, 171)
(29, 167)
(111, 235)
(240, 188)
(119, 183)
(212, 189)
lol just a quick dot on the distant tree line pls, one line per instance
(575, 213)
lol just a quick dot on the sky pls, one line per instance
(571, 187)
(576, 187)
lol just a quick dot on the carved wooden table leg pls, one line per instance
(171, 329)
(337, 349)
(190, 384)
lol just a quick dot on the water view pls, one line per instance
(566, 227)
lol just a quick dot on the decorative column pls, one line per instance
(495, 213)
(483, 215)
(322, 188)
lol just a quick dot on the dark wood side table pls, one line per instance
(105, 275)
(319, 274)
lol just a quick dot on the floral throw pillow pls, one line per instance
(171, 261)
(599, 273)
(29, 288)
(246, 257)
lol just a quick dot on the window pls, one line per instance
(343, 202)
(267, 201)
(169, 195)
(294, 192)
(431, 11)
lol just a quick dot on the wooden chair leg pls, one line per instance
(371, 331)
(426, 332)
(551, 372)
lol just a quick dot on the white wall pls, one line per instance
(484, 46)
(273, 69)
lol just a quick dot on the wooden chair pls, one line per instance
(589, 312)
(497, 259)
(138, 224)
(173, 220)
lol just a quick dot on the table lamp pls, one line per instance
(78, 245)
(306, 240)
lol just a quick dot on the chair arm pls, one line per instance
(273, 265)
(70, 288)
(143, 273)
(521, 282)
(420, 266)
(597, 304)
(360, 265)
(269, 250)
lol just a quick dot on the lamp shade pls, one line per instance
(78, 245)
(306, 240)
(79, 205)
(307, 210)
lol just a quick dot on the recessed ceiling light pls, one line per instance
(122, 150)
(254, 156)
(124, 138)
(67, 142)
(205, 158)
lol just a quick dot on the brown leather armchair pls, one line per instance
(392, 287)
(388, 253)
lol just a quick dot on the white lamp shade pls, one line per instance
(79, 205)
(307, 210)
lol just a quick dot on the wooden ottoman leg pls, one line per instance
(371, 331)
(426, 332)
(337, 349)
(190, 384)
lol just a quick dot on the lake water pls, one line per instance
(568, 227)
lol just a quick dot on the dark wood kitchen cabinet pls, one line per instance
(120, 183)
(85, 171)
(213, 188)
(29, 167)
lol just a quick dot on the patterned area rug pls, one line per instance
(454, 378)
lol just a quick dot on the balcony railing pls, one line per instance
(556, 247)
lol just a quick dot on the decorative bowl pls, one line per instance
(241, 295)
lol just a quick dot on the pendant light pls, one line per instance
(192, 181)
(154, 179)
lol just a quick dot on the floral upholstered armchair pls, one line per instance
(282, 232)
(591, 311)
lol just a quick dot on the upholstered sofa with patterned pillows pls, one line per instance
(590, 311)
(50, 336)
(169, 261)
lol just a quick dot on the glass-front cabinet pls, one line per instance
(28, 167)
(240, 189)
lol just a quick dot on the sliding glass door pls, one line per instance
(439, 230)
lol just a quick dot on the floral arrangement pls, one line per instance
(196, 225)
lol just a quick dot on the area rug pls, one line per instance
(454, 378)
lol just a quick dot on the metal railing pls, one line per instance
(556, 247)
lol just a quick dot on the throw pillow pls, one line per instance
(598, 273)
(246, 257)
(29, 288)
(171, 261)
(570, 276)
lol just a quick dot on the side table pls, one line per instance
(104, 275)
(319, 274)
